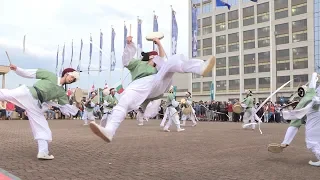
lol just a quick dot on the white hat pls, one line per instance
(75, 74)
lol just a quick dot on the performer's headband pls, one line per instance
(146, 56)
(188, 93)
(71, 72)
(112, 90)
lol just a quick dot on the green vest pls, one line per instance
(310, 93)
(249, 101)
(140, 69)
(170, 98)
(49, 88)
(112, 100)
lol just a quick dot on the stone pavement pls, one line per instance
(211, 150)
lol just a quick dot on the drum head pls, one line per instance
(78, 95)
(237, 108)
(183, 101)
(187, 110)
(153, 35)
(275, 148)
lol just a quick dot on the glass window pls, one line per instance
(207, 6)
(199, 27)
(264, 83)
(283, 66)
(207, 42)
(280, 4)
(233, 47)
(220, 18)
(221, 49)
(233, 38)
(300, 25)
(221, 62)
(300, 64)
(233, 24)
(250, 83)
(249, 69)
(283, 55)
(263, 8)
(300, 79)
(249, 59)
(263, 32)
(233, 70)
(300, 53)
(249, 44)
(206, 86)
(263, 42)
(196, 87)
(282, 33)
(221, 85)
(221, 72)
(221, 40)
(265, 67)
(264, 57)
(298, 7)
(233, 15)
(247, 12)
(194, 76)
(299, 37)
(283, 79)
(234, 61)
(207, 51)
(281, 14)
(234, 85)
(249, 35)
(207, 25)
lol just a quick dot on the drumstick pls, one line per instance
(8, 57)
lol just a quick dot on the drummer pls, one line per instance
(109, 101)
(249, 113)
(191, 115)
(34, 98)
(88, 110)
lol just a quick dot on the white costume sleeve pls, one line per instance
(27, 73)
(159, 61)
(128, 54)
(66, 109)
(300, 113)
(189, 102)
(174, 103)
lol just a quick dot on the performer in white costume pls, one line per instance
(310, 110)
(36, 100)
(151, 110)
(249, 113)
(191, 115)
(109, 101)
(151, 76)
(171, 112)
(88, 109)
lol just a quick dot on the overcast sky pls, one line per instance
(49, 23)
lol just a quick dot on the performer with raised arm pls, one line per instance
(295, 123)
(109, 101)
(249, 112)
(187, 111)
(309, 109)
(36, 99)
(151, 76)
(88, 109)
(172, 112)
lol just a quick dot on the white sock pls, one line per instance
(43, 146)
(290, 134)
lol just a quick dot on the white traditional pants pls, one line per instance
(247, 117)
(313, 133)
(105, 118)
(88, 115)
(173, 117)
(151, 86)
(165, 116)
(190, 116)
(23, 98)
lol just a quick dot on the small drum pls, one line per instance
(275, 148)
(237, 108)
(78, 95)
(186, 108)
(153, 35)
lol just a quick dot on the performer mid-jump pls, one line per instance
(152, 76)
(34, 98)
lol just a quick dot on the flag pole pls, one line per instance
(240, 53)
(271, 49)
(171, 31)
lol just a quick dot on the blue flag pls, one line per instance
(125, 30)
(79, 65)
(174, 35)
(90, 54)
(100, 52)
(194, 31)
(212, 91)
(139, 41)
(221, 3)
(113, 55)
(57, 61)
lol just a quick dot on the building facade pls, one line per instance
(258, 46)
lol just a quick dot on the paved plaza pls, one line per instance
(211, 150)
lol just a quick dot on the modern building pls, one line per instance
(259, 47)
